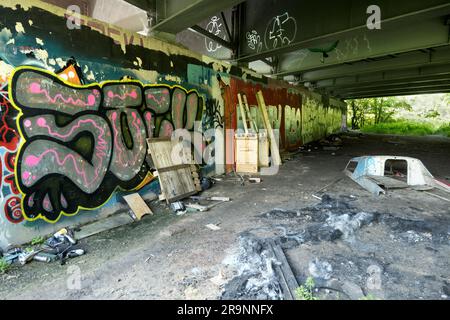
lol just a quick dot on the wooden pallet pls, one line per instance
(175, 176)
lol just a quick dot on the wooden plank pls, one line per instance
(263, 150)
(183, 196)
(159, 139)
(173, 168)
(244, 118)
(288, 281)
(253, 124)
(108, 223)
(137, 205)
(274, 150)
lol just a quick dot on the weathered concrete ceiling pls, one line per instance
(327, 46)
(173, 16)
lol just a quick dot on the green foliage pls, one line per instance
(432, 114)
(404, 127)
(447, 98)
(444, 130)
(37, 240)
(401, 127)
(306, 291)
(4, 266)
(376, 109)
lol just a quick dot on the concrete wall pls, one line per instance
(73, 141)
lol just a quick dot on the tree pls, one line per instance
(360, 108)
(384, 108)
(378, 109)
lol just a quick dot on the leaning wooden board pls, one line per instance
(175, 177)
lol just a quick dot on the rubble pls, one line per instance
(331, 220)
(255, 277)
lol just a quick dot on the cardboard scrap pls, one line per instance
(137, 205)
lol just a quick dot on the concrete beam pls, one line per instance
(177, 15)
(402, 61)
(142, 4)
(442, 84)
(385, 77)
(425, 81)
(406, 92)
(369, 45)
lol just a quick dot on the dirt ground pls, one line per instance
(397, 245)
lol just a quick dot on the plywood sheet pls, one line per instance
(246, 153)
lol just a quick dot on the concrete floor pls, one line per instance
(166, 256)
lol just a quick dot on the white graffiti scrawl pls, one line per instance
(214, 26)
(280, 31)
(254, 40)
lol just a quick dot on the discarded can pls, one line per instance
(26, 256)
(45, 257)
(42, 258)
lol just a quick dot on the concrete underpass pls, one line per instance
(90, 91)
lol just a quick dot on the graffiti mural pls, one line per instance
(9, 140)
(292, 123)
(82, 142)
(212, 118)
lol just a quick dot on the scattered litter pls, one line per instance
(149, 257)
(27, 256)
(178, 207)
(348, 224)
(206, 183)
(318, 198)
(212, 227)
(202, 208)
(198, 198)
(196, 207)
(254, 180)
(45, 257)
(61, 246)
